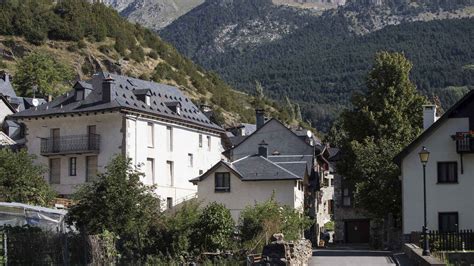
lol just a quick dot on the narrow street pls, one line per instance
(343, 256)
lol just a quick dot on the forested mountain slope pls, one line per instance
(324, 58)
(93, 37)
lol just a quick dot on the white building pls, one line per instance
(256, 178)
(155, 125)
(449, 171)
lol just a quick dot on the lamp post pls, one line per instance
(424, 156)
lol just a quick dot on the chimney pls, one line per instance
(260, 115)
(429, 115)
(107, 89)
(262, 149)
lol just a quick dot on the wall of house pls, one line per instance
(246, 193)
(327, 193)
(108, 126)
(343, 213)
(4, 111)
(278, 139)
(458, 197)
(185, 142)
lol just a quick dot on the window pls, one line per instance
(91, 168)
(190, 159)
(447, 172)
(169, 202)
(200, 140)
(222, 182)
(54, 171)
(170, 170)
(150, 135)
(169, 138)
(201, 172)
(330, 207)
(209, 143)
(79, 95)
(72, 166)
(448, 221)
(346, 197)
(150, 171)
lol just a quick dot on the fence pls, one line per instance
(31, 246)
(447, 241)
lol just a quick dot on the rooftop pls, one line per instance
(124, 92)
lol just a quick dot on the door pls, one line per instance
(357, 231)
(55, 136)
(55, 171)
(91, 139)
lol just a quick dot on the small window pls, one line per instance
(447, 172)
(200, 140)
(151, 137)
(169, 202)
(79, 95)
(209, 143)
(150, 171)
(72, 166)
(190, 159)
(222, 183)
(346, 197)
(170, 166)
(330, 206)
(169, 138)
(448, 221)
(201, 172)
(147, 100)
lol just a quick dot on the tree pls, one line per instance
(384, 120)
(214, 228)
(22, 181)
(290, 109)
(117, 201)
(44, 71)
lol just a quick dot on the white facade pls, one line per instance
(247, 193)
(121, 133)
(457, 197)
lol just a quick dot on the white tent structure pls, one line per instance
(19, 214)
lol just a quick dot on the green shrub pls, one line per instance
(259, 222)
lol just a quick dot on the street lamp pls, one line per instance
(424, 156)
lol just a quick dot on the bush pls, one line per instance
(153, 54)
(214, 228)
(259, 222)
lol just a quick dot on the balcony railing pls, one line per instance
(464, 142)
(70, 144)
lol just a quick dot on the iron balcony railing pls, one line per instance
(70, 144)
(464, 142)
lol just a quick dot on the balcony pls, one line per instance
(464, 142)
(75, 144)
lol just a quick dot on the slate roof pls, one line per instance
(125, 98)
(258, 168)
(6, 87)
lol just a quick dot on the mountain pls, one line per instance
(92, 37)
(320, 58)
(153, 14)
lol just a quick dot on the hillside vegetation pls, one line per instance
(93, 37)
(320, 62)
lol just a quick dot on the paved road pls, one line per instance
(350, 256)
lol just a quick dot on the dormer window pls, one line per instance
(143, 95)
(174, 107)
